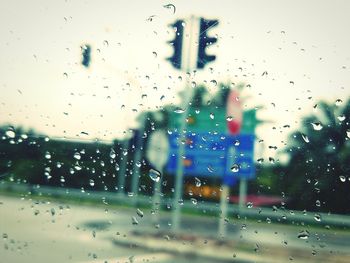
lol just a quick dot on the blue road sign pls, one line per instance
(215, 155)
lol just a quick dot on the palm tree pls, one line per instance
(318, 174)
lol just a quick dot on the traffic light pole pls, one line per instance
(190, 42)
(188, 65)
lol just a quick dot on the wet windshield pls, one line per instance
(174, 131)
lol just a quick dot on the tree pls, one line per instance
(318, 174)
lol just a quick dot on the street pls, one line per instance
(41, 231)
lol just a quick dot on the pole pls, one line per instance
(122, 168)
(242, 192)
(156, 199)
(137, 160)
(189, 57)
(223, 208)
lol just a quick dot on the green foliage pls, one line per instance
(319, 161)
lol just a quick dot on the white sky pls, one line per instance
(306, 42)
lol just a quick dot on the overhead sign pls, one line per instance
(214, 155)
(157, 151)
(215, 120)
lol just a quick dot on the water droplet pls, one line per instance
(105, 43)
(214, 82)
(236, 143)
(305, 138)
(134, 221)
(317, 217)
(210, 169)
(260, 160)
(181, 201)
(77, 156)
(211, 115)
(179, 110)
(341, 117)
(170, 7)
(139, 212)
(10, 133)
(117, 167)
(77, 167)
(317, 126)
(91, 182)
(198, 182)
(318, 203)
(154, 54)
(229, 118)
(235, 168)
(48, 155)
(338, 102)
(348, 133)
(65, 74)
(249, 205)
(154, 175)
(194, 201)
(342, 178)
(304, 234)
(193, 84)
(112, 154)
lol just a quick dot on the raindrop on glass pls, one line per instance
(235, 168)
(154, 175)
(179, 110)
(304, 234)
(317, 126)
(77, 156)
(139, 213)
(341, 117)
(48, 155)
(194, 201)
(112, 154)
(10, 133)
(91, 182)
(214, 82)
(317, 217)
(134, 221)
(338, 102)
(305, 138)
(197, 182)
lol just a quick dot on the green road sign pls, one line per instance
(213, 120)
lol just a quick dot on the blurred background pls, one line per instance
(168, 131)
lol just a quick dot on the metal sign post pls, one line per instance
(157, 154)
(122, 167)
(223, 208)
(137, 159)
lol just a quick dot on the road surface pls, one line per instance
(40, 231)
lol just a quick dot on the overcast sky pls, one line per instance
(302, 45)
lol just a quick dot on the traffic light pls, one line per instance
(175, 59)
(204, 41)
(86, 49)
